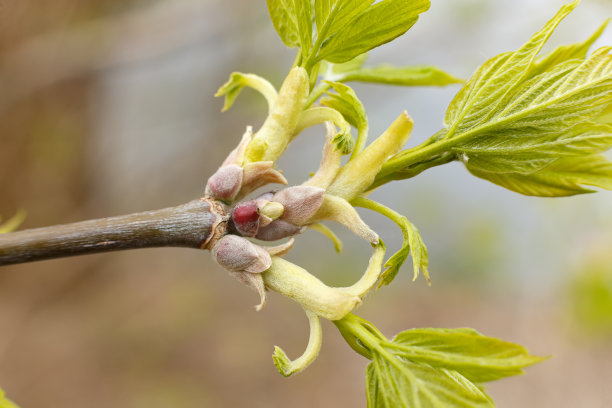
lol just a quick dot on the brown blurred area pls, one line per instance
(106, 107)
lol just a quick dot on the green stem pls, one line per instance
(362, 136)
(316, 93)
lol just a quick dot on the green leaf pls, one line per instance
(394, 383)
(478, 358)
(525, 151)
(430, 368)
(564, 177)
(404, 76)
(332, 71)
(285, 21)
(333, 15)
(566, 52)
(347, 103)
(237, 81)
(606, 116)
(303, 10)
(379, 24)
(412, 243)
(484, 94)
(5, 403)
(518, 119)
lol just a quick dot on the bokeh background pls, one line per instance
(106, 108)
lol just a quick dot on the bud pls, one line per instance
(278, 229)
(359, 173)
(237, 254)
(270, 212)
(245, 217)
(225, 183)
(300, 203)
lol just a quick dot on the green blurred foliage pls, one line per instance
(590, 298)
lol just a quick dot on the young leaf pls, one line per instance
(483, 95)
(412, 243)
(333, 15)
(476, 357)
(606, 116)
(346, 102)
(525, 151)
(430, 368)
(231, 89)
(507, 123)
(404, 76)
(566, 52)
(379, 24)
(563, 177)
(285, 21)
(331, 71)
(303, 11)
(396, 383)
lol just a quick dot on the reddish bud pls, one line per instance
(245, 217)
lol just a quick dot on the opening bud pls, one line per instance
(245, 218)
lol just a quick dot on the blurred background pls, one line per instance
(107, 108)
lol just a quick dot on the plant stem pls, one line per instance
(190, 225)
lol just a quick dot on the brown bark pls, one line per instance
(191, 225)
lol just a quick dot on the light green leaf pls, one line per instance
(331, 71)
(333, 15)
(237, 81)
(346, 102)
(5, 403)
(509, 126)
(303, 11)
(284, 19)
(292, 20)
(606, 116)
(405, 76)
(484, 93)
(564, 177)
(379, 24)
(525, 151)
(566, 52)
(395, 383)
(478, 358)
(431, 368)
(413, 243)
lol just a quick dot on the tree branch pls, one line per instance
(191, 225)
